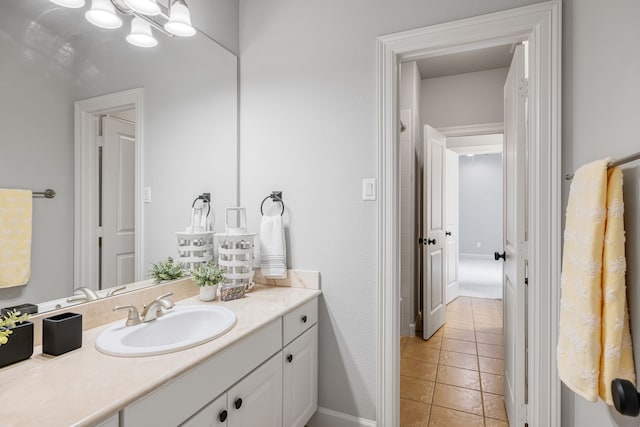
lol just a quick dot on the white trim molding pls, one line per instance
(328, 418)
(540, 24)
(85, 248)
(471, 130)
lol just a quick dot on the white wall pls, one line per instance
(601, 66)
(464, 99)
(308, 127)
(218, 19)
(480, 208)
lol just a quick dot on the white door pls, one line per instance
(300, 379)
(515, 191)
(257, 399)
(433, 239)
(451, 232)
(118, 202)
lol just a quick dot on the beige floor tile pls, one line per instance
(488, 350)
(461, 399)
(488, 320)
(439, 332)
(415, 389)
(459, 360)
(492, 383)
(444, 417)
(492, 366)
(423, 353)
(459, 334)
(459, 324)
(492, 339)
(417, 369)
(433, 342)
(459, 377)
(488, 329)
(488, 422)
(468, 347)
(414, 414)
(494, 406)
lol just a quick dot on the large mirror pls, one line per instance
(184, 131)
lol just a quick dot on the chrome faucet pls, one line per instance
(83, 294)
(154, 309)
(133, 318)
(113, 291)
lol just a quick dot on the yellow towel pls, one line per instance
(594, 343)
(15, 237)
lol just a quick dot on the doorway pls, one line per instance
(539, 25)
(109, 131)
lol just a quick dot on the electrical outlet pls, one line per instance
(478, 244)
(147, 194)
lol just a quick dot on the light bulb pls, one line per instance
(179, 22)
(73, 4)
(146, 7)
(141, 35)
(102, 14)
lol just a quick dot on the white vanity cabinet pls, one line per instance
(267, 379)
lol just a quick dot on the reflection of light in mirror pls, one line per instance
(147, 7)
(73, 4)
(141, 35)
(38, 40)
(102, 14)
(180, 20)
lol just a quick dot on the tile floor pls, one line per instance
(455, 378)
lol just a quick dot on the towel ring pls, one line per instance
(205, 199)
(276, 196)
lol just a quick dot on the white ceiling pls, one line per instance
(466, 62)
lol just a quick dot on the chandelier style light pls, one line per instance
(145, 15)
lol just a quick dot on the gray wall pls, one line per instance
(308, 127)
(601, 66)
(480, 205)
(463, 99)
(218, 19)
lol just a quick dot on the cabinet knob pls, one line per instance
(304, 319)
(290, 358)
(238, 403)
(223, 416)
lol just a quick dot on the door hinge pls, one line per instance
(526, 272)
(523, 88)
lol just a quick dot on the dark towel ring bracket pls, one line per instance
(276, 196)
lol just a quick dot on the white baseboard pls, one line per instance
(328, 418)
(412, 329)
(477, 256)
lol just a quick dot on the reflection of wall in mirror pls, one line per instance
(190, 130)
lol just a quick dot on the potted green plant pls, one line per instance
(207, 277)
(16, 338)
(163, 271)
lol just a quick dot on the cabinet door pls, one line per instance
(257, 399)
(300, 379)
(215, 414)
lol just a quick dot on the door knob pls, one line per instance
(625, 397)
(497, 256)
(421, 241)
(431, 241)
(448, 233)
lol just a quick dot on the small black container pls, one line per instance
(20, 344)
(22, 308)
(61, 333)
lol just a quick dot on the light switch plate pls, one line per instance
(147, 194)
(369, 190)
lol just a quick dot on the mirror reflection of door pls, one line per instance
(116, 211)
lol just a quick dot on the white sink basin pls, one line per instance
(181, 327)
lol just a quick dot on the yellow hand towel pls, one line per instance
(594, 343)
(15, 237)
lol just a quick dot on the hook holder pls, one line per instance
(276, 196)
(625, 397)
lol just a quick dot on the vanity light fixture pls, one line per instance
(141, 35)
(102, 14)
(175, 21)
(72, 4)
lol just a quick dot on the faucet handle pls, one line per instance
(113, 291)
(168, 294)
(133, 318)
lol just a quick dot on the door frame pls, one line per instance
(85, 251)
(540, 24)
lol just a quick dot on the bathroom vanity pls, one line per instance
(262, 372)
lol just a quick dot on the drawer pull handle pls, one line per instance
(238, 403)
(223, 416)
(290, 358)
(304, 319)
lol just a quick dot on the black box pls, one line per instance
(22, 308)
(61, 333)
(20, 344)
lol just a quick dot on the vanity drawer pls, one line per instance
(299, 320)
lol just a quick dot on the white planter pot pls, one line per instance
(208, 293)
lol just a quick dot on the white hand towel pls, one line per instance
(272, 247)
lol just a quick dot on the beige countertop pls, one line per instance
(85, 387)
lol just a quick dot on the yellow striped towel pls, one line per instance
(594, 343)
(15, 237)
